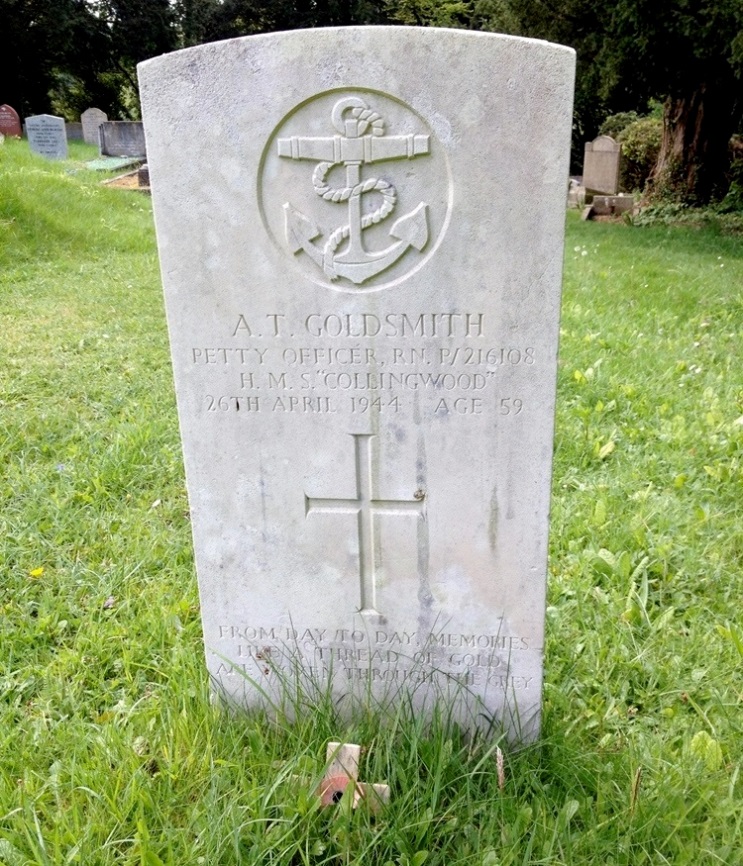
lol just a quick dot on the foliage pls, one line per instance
(73, 53)
(721, 218)
(430, 13)
(497, 16)
(113, 754)
(697, 74)
(208, 20)
(640, 142)
(616, 123)
(733, 201)
(620, 67)
(45, 40)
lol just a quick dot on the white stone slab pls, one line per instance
(47, 136)
(91, 120)
(367, 413)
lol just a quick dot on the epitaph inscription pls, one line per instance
(10, 123)
(362, 288)
(47, 136)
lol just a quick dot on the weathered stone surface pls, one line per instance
(10, 123)
(601, 165)
(122, 138)
(91, 119)
(47, 136)
(361, 246)
(610, 205)
(74, 131)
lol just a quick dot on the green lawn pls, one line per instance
(110, 749)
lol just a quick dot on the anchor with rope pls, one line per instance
(361, 141)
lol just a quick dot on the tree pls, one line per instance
(41, 40)
(209, 20)
(688, 53)
(430, 13)
(138, 29)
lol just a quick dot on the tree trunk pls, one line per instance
(693, 158)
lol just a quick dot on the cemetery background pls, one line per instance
(694, 83)
(110, 751)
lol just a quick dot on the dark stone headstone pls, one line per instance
(122, 138)
(74, 131)
(10, 123)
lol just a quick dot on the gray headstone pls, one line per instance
(362, 283)
(47, 136)
(74, 131)
(122, 138)
(601, 165)
(10, 123)
(91, 119)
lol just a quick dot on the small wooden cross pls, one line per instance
(342, 771)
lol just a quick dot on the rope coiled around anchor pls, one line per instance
(366, 118)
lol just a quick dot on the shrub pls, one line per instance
(733, 201)
(640, 142)
(616, 123)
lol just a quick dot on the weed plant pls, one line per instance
(111, 751)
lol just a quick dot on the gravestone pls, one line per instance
(91, 119)
(601, 165)
(47, 136)
(362, 285)
(10, 123)
(122, 138)
(74, 131)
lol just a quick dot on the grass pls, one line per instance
(110, 749)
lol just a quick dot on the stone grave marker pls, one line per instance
(74, 131)
(362, 285)
(10, 123)
(122, 138)
(601, 165)
(47, 136)
(91, 119)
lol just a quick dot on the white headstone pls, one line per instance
(361, 245)
(47, 136)
(91, 119)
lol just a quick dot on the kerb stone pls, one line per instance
(122, 138)
(361, 242)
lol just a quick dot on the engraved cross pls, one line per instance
(365, 507)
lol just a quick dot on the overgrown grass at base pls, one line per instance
(111, 751)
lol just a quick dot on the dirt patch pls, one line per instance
(130, 180)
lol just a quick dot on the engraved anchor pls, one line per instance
(362, 140)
